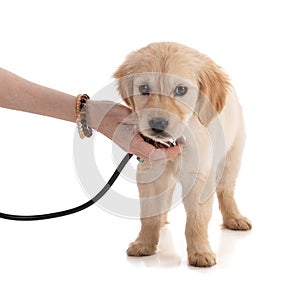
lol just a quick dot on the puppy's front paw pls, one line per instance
(138, 249)
(240, 224)
(202, 259)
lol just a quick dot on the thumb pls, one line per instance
(163, 154)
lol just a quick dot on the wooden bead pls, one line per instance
(83, 129)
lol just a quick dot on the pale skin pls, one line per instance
(106, 117)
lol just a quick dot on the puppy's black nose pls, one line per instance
(158, 125)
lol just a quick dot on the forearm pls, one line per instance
(19, 94)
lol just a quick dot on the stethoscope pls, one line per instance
(74, 209)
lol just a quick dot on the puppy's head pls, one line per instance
(166, 84)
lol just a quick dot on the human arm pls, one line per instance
(19, 94)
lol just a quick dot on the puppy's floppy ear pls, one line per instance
(214, 85)
(125, 84)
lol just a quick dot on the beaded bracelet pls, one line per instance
(83, 129)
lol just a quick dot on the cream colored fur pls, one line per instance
(208, 119)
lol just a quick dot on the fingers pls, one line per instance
(141, 148)
(163, 154)
(148, 152)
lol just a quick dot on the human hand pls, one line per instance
(117, 123)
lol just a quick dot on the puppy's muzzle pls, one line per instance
(158, 125)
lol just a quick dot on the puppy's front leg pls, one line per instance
(198, 216)
(147, 240)
(156, 185)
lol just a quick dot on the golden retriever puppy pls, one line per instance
(180, 94)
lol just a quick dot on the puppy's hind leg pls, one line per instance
(232, 218)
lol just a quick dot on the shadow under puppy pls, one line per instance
(178, 93)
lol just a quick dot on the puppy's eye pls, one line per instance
(144, 89)
(180, 91)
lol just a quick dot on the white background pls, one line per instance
(75, 46)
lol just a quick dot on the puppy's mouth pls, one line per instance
(163, 140)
